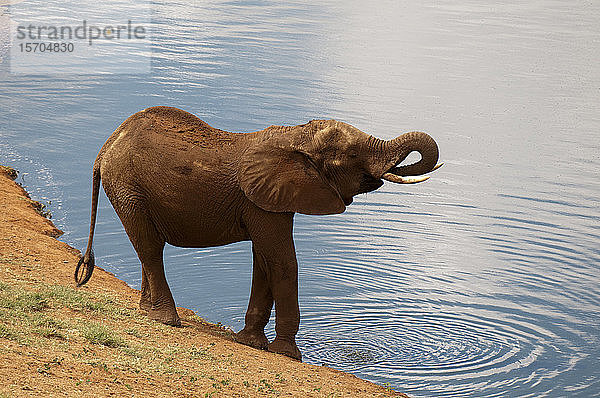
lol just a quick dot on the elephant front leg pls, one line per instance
(273, 248)
(259, 306)
(287, 311)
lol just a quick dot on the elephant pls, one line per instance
(172, 178)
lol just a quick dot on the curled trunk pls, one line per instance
(395, 151)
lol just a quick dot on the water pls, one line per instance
(483, 281)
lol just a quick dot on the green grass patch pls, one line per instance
(40, 315)
(79, 300)
(6, 332)
(22, 300)
(136, 332)
(76, 300)
(58, 296)
(26, 313)
(134, 352)
(99, 334)
(48, 327)
(199, 352)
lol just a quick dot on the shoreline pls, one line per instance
(56, 339)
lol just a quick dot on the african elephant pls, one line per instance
(172, 178)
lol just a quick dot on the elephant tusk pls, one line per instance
(402, 180)
(437, 166)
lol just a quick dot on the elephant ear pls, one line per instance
(280, 179)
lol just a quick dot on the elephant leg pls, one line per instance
(271, 234)
(259, 306)
(162, 305)
(145, 299)
(287, 311)
(156, 295)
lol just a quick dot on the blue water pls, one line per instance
(483, 281)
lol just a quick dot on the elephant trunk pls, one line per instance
(396, 150)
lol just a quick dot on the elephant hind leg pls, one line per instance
(155, 290)
(156, 296)
(145, 299)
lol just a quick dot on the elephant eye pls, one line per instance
(353, 154)
(306, 156)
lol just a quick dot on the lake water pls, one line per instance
(483, 281)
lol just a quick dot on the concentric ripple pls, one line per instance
(422, 343)
(418, 350)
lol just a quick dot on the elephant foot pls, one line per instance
(256, 339)
(285, 348)
(145, 304)
(167, 317)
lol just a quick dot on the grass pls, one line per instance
(47, 326)
(76, 300)
(20, 298)
(23, 300)
(137, 332)
(39, 317)
(80, 326)
(6, 332)
(36, 317)
(26, 314)
(96, 333)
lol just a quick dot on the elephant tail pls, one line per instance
(85, 266)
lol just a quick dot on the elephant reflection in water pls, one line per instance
(172, 178)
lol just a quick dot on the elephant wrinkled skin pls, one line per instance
(172, 178)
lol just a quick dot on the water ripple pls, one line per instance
(420, 347)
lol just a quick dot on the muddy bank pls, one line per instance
(57, 340)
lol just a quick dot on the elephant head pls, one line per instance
(318, 167)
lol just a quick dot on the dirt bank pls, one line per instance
(56, 340)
